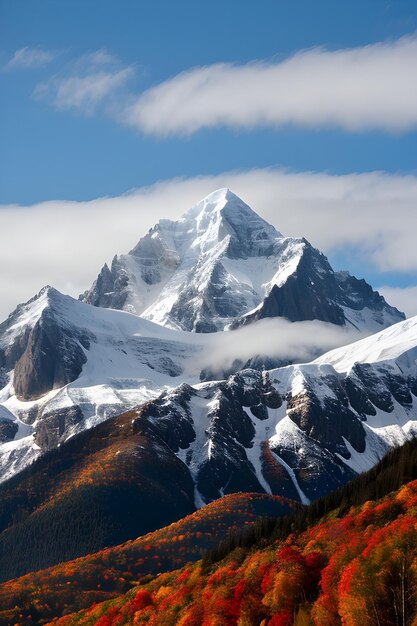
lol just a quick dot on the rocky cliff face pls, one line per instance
(44, 350)
(311, 292)
(53, 357)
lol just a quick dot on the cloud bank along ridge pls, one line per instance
(375, 210)
(274, 338)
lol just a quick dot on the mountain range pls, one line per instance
(122, 386)
(67, 365)
(217, 358)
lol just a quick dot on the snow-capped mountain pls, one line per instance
(66, 366)
(221, 265)
(299, 431)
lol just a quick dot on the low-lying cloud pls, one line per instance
(66, 243)
(274, 338)
(357, 89)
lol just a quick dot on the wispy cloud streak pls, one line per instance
(30, 58)
(93, 79)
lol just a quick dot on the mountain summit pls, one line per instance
(221, 265)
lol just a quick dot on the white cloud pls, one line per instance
(65, 243)
(404, 298)
(369, 87)
(29, 58)
(275, 338)
(92, 79)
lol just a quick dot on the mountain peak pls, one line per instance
(50, 293)
(220, 264)
(213, 203)
(223, 194)
(223, 201)
(47, 298)
(222, 214)
(219, 194)
(44, 290)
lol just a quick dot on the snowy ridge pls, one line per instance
(387, 345)
(377, 376)
(301, 430)
(24, 317)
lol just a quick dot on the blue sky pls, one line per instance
(75, 123)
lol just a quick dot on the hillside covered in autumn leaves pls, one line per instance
(351, 569)
(349, 558)
(110, 572)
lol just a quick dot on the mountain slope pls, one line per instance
(66, 366)
(104, 486)
(298, 431)
(221, 264)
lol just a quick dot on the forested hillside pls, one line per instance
(309, 567)
(350, 569)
